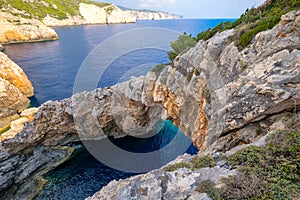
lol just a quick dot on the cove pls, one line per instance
(52, 68)
(82, 175)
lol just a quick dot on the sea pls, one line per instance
(53, 68)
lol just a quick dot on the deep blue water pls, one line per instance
(83, 175)
(52, 68)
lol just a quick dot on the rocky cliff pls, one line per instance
(18, 29)
(217, 95)
(151, 15)
(15, 88)
(93, 14)
(260, 87)
(111, 14)
(24, 21)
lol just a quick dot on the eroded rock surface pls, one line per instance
(159, 184)
(17, 29)
(212, 92)
(12, 100)
(92, 14)
(15, 88)
(16, 126)
(11, 72)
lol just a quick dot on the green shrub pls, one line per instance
(262, 25)
(266, 172)
(172, 55)
(202, 161)
(176, 166)
(209, 188)
(109, 9)
(242, 186)
(273, 170)
(100, 4)
(181, 45)
(2, 3)
(40, 10)
(205, 35)
(256, 19)
(196, 163)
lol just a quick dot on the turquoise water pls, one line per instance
(52, 68)
(83, 175)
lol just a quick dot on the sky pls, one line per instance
(193, 8)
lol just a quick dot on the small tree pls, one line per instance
(181, 45)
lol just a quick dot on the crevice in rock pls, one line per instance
(255, 130)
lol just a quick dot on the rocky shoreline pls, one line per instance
(15, 28)
(260, 84)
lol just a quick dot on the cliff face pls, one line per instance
(12, 100)
(217, 95)
(20, 26)
(111, 14)
(11, 72)
(15, 88)
(148, 15)
(92, 14)
(116, 15)
(17, 29)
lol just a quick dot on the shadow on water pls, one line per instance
(83, 175)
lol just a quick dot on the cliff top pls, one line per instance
(250, 23)
(59, 9)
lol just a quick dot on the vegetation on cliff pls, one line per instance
(265, 172)
(184, 43)
(196, 163)
(268, 172)
(250, 23)
(59, 9)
